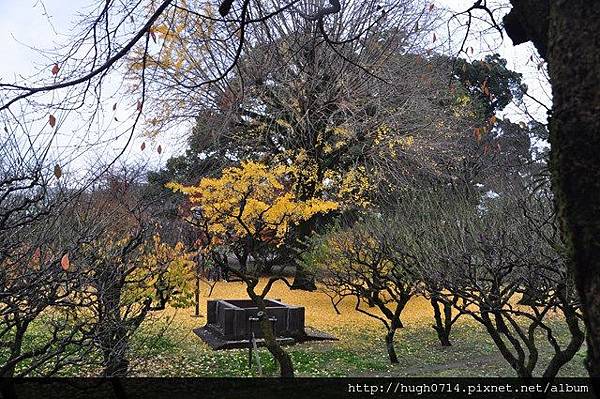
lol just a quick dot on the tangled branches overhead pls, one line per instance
(111, 35)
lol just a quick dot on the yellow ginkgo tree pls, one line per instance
(250, 212)
(250, 202)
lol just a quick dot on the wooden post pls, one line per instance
(197, 297)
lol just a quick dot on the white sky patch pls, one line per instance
(491, 194)
(327, 182)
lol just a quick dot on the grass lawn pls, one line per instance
(166, 346)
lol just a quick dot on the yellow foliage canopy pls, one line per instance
(250, 200)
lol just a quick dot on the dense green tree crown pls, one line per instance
(490, 83)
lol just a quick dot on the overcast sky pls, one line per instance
(26, 25)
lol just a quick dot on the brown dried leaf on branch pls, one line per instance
(57, 171)
(65, 262)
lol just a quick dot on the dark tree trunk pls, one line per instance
(443, 321)
(8, 369)
(303, 281)
(114, 332)
(574, 66)
(566, 34)
(114, 351)
(496, 328)
(562, 357)
(111, 335)
(335, 302)
(116, 365)
(395, 323)
(389, 344)
(286, 367)
(197, 297)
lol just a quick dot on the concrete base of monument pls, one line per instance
(218, 342)
(231, 322)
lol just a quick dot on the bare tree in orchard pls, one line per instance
(127, 272)
(493, 255)
(363, 262)
(34, 256)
